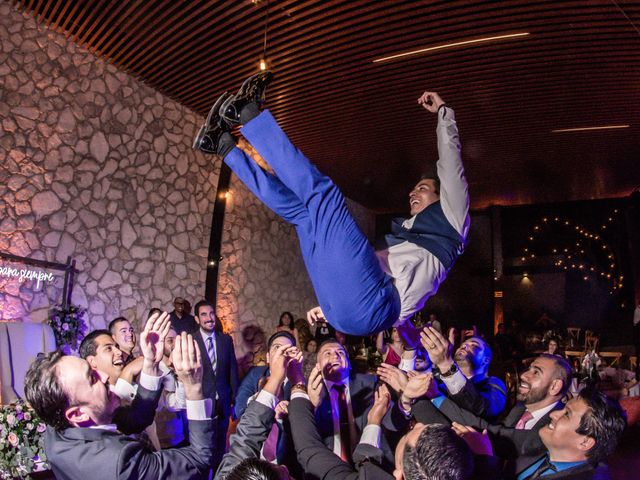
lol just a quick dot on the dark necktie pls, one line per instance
(345, 432)
(544, 467)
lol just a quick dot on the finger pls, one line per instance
(191, 354)
(384, 391)
(452, 335)
(149, 324)
(177, 351)
(198, 355)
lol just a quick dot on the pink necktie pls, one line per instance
(270, 446)
(526, 416)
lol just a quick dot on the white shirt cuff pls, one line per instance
(299, 395)
(455, 382)
(199, 409)
(407, 364)
(267, 399)
(149, 382)
(124, 389)
(371, 435)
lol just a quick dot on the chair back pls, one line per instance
(20, 343)
(591, 341)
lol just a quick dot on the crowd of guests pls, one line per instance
(158, 404)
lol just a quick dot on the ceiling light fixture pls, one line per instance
(451, 45)
(585, 129)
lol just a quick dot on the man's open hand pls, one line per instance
(188, 365)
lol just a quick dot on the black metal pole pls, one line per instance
(215, 238)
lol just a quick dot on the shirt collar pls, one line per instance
(205, 335)
(541, 412)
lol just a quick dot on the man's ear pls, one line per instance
(76, 416)
(91, 359)
(586, 443)
(556, 387)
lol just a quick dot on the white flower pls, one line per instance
(27, 416)
(29, 426)
(11, 419)
(13, 439)
(41, 428)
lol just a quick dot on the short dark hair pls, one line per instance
(331, 340)
(604, 422)
(88, 345)
(152, 311)
(439, 454)
(253, 469)
(435, 179)
(114, 322)
(44, 391)
(202, 303)
(273, 337)
(563, 371)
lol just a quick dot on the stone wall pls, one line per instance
(97, 166)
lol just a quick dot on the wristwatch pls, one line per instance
(452, 370)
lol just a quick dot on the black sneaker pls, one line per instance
(251, 91)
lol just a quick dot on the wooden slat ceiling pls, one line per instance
(359, 121)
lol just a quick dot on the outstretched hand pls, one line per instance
(479, 443)
(315, 315)
(431, 101)
(188, 365)
(393, 377)
(381, 405)
(439, 348)
(152, 341)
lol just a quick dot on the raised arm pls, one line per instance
(454, 189)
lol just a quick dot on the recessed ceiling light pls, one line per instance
(585, 129)
(450, 45)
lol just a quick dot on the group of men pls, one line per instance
(333, 424)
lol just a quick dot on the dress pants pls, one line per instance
(355, 295)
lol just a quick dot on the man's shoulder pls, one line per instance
(362, 380)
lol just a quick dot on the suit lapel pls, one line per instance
(514, 415)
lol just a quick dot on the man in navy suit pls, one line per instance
(220, 372)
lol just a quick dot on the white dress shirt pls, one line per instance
(417, 273)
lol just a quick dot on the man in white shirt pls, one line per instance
(86, 426)
(359, 293)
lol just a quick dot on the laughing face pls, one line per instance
(206, 318)
(108, 357)
(124, 335)
(423, 194)
(91, 400)
(560, 436)
(537, 383)
(333, 362)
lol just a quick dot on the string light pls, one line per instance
(584, 262)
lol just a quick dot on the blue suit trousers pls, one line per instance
(355, 295)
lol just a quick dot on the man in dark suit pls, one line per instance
(220, 373)
(246, 445)
(463, 375)
(86, 424)
(542, 387)
(577, 440)
(342, 401)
